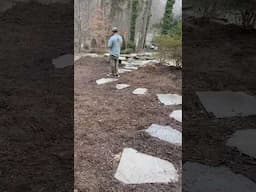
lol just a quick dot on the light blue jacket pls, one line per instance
(115, 44)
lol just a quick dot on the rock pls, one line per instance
(244, 141)
(170, 99)
(63, 61)
(122, 59)
(165, 133)
(124, 70)
(140, 91)
(201, 178)
(139, 168)
(177, 115)
(105, 80)
(228, 103)
(131, 67)
(122, 86)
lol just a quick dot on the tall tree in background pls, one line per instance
(168, 17)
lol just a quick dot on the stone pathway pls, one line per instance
(225, 104)
(138, 168)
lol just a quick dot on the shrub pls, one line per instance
(170, 48)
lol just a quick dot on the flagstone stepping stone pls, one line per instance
(201, 178)
(170, 99)
(63, 61)
(105, 80)
(139, 168)
(165, 133)
(177, 115)
(124, 70)
(228, 103)
(131, 67)
(140, 91)
(122, 58)
(244, 141)
(122, 86)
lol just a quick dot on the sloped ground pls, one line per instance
(226, 62)
(108, 120)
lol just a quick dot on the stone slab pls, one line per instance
(228, 104)
(244, 141)
(63, 61)
(105, 80)
(201, 178)
(170, 99)
(122, 86)
(139, 168)
(140, 91)
(165, 133)
(177, 115)
(124, 70)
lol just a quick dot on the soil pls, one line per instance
(108, 120)
(227, 61)
(36, 101)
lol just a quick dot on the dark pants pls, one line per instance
(114, 65)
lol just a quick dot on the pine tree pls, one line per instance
(168, 17)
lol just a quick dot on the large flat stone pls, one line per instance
(105, 80)
(63, 61)
(228, 103)
(139, 168)
(123, 70)
(170, 99)
(177, 115)
(140, 91)
(131, 67)
(165, 133)
(202, 178)
(122, 86)
(244, 141)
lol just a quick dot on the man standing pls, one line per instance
(114, 45)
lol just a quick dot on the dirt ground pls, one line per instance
(227, 61)
(36, 101)
(108, 120)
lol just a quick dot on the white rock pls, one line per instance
(106, 55)
(122, 86)
(177, 115)
(63, 61)
(165, 133)
(131, 67)
(138, 168)
(124, 70)
(228, 103)
(244, 141)
(122, 58)
(105, 80)
(202, 178)
(140, 91)
(170, 99)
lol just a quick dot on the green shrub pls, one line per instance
(170, 48)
